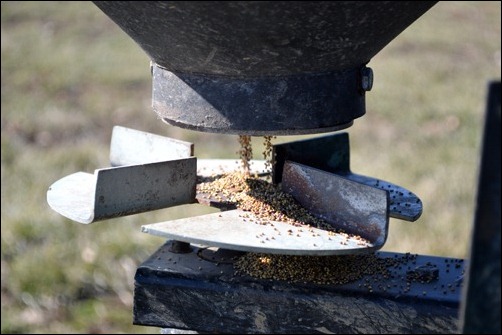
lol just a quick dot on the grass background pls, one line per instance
(69, 75)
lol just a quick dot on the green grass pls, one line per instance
(69, 75)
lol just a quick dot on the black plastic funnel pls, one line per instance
(262, 67)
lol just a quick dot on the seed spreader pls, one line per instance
(266, 261)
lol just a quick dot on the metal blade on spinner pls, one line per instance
(331, 153)
(125, 190)
(243, 231)
(148, 172)
(345, 205)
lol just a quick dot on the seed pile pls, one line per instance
(379, 273)
(255, 195)
(334, 270)
(261, 198)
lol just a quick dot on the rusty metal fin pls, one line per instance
(331, 153)
(346, 205)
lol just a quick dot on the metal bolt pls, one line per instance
(366, 78)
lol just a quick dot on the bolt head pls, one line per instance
(366, 79)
